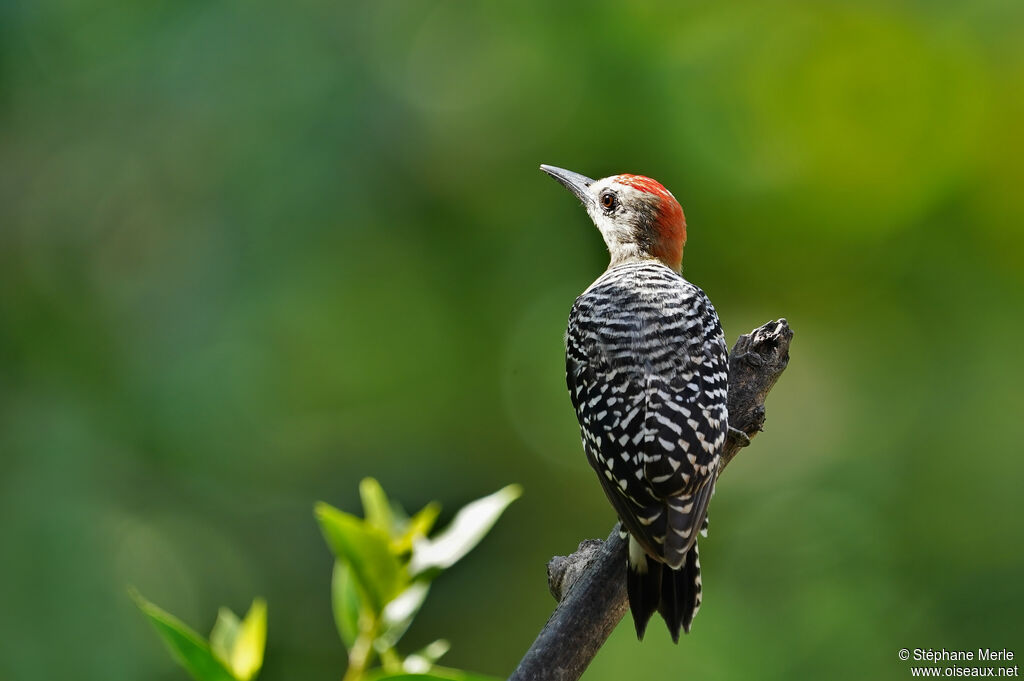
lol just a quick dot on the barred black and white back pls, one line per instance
(646, 368)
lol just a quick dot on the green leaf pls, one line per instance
(224, 635)
(365, 549)
(184, 644)
(239, 645)
(470, 525)
(423, 660)
(247, 653)
(345, 603)
(435, 650)
(417, 528)
(376, 506)
(399, 613)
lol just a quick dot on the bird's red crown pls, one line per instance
(670, 223)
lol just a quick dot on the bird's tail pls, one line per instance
(651, 585)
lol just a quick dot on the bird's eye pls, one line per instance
(609, 201)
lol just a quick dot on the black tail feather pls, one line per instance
(676, 594)
(643, 584)
(673, 595)
(680, 594)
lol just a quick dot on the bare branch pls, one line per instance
(590, 585)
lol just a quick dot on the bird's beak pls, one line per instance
(574, 182)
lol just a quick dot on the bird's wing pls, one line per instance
(687, 419)
(613, 441)
(687, 415)
(610, 394)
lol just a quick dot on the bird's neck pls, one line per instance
(632, 253)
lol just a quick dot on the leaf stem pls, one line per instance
(390, 660)
(361, 653)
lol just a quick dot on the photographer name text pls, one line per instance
(943, 655)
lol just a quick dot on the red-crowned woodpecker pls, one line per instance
(647, 372)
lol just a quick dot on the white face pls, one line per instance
(625, 217)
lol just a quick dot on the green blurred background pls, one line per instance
(251, 252)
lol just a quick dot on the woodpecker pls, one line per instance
(647, 371)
